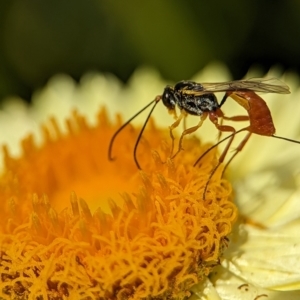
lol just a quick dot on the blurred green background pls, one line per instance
(41, 38)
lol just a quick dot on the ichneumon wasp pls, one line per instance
(199, 99)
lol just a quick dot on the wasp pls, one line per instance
(199, 99)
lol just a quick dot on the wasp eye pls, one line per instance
(168, 98)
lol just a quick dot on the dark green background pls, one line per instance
(178, 37)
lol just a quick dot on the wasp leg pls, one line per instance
(217, 144)
(238, 149)
(189, 131)
(173, 126)
(220, 132)
(236, 118)
(223, 128)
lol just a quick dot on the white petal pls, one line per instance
(270, 196)
(266, 258)
(205, 291)
(231, 287)
(16, 123)
(55, 99)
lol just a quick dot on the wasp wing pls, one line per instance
(270, 85)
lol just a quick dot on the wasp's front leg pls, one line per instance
(189, 131)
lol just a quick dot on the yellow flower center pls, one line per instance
(75, 225)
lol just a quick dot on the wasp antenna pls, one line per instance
(156, 100)
(285, 139)
(124, 125)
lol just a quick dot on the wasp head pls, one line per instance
(169, 97)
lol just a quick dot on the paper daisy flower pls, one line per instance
(75, 225)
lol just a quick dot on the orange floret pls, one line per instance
(75, 225)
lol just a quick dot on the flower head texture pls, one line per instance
(76, 225)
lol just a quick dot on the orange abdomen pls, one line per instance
(260, 118)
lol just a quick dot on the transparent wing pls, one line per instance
(271, 85)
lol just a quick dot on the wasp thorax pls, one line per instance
(169, 97)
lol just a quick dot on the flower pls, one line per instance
(75, 225)
(66, 237)
(263, 260)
